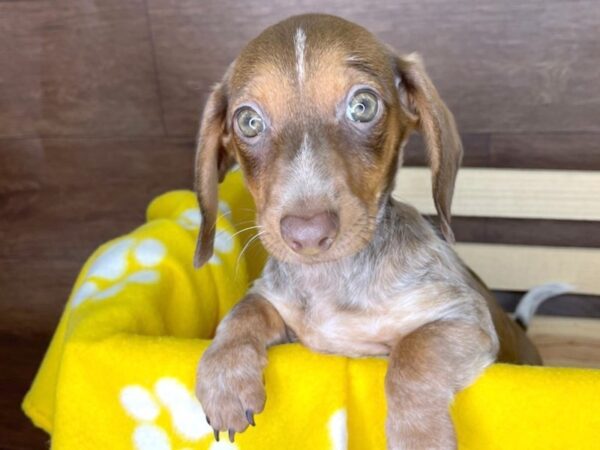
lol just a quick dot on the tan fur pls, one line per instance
(240, 346)
(389, 285)
(426, 369)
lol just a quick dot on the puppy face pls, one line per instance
(315, 110)
(327, 125)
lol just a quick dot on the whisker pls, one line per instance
(240, 231)
(225, 214)
(254, 238)
(244, 222)
(245, 229)
(246, 209)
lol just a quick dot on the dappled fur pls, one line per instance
(389, 285)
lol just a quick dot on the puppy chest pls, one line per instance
(324, 327)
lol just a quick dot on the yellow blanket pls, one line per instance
(119, 372)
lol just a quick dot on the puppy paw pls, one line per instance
(230, 387)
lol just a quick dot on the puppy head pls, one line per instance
(316, 111)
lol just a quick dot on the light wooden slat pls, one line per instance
(567, 341)
(528, 194)
(516, 267)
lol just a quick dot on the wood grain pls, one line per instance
(558, 233)
(535, 194)
(74, 68)
(567, 341)
(515, 66)
(568, 305)
(519, 268)
(563, 151)
(20, 360)
(559, 151)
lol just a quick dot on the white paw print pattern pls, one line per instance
(191, 219)
(112, 264)
(338, 430)
(188, 421)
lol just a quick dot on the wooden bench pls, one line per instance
(539, 201)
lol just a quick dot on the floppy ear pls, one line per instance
(435, 122)
(212, 163)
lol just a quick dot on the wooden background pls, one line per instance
(100, 100)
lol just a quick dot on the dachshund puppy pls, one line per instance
(316, 112)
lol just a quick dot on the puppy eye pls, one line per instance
(362, 107)
(250, 123)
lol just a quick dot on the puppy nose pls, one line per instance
(310, 235)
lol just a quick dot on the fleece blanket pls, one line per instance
(119, 373)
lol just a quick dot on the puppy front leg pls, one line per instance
(426, 368)
(229, 382)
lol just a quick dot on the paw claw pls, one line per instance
(250, 417)
(228, 397)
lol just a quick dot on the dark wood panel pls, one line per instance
(556, 151)
(20, 360)
(563, 305)
(560, 233)
(518, 66)
(77, 68)
(568, 151)
(476, 150)
(21, 167)
(82, 193)
(55, 165)
(34, 293)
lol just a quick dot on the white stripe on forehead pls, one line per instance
(305, 162)
(300, 47)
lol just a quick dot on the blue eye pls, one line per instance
(250, 123)
(362, 107)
